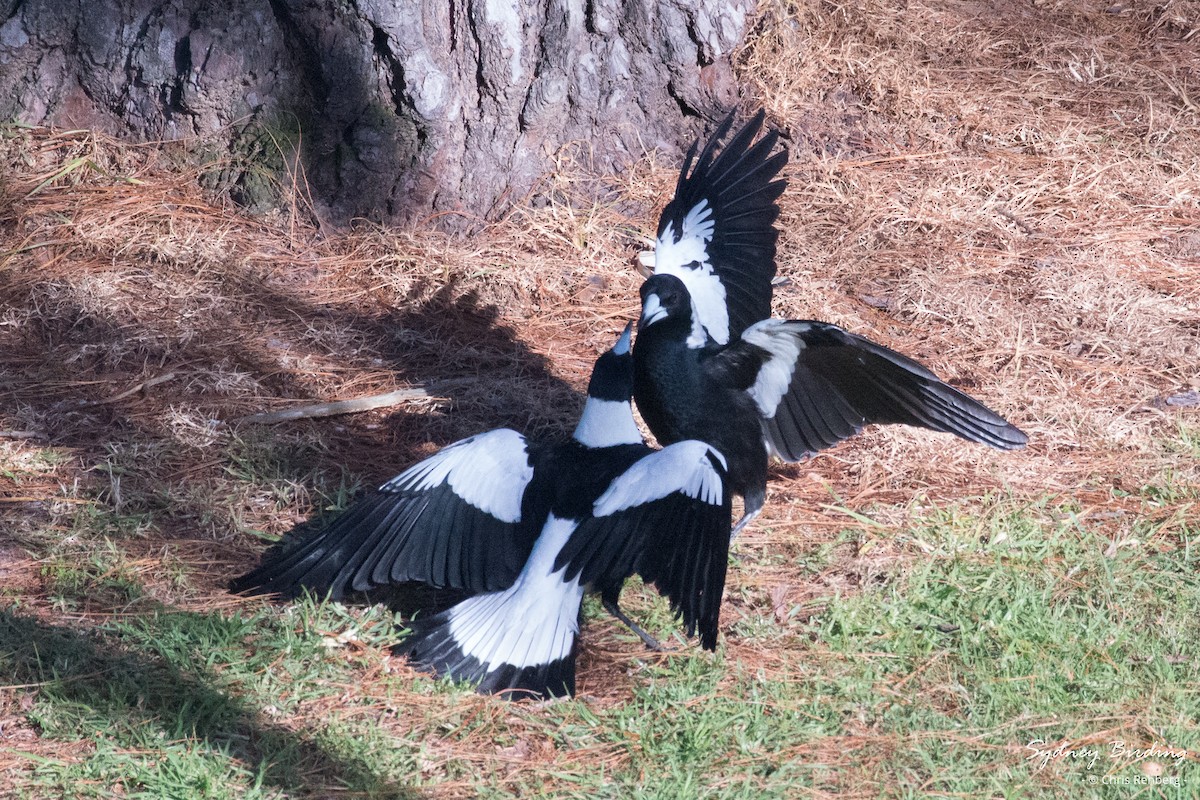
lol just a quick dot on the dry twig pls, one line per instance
(335, 408)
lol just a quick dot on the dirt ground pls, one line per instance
(1007, 191)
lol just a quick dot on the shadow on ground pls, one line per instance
(126, 687)
(174, 450)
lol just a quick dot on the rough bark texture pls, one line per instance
(397, 108)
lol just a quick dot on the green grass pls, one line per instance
(1044, 635)
(163, 699)
(1012, 622)
(75, 577)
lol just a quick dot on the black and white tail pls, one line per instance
(519, 642)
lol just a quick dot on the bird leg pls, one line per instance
(610, 605)
(751, 507)
(746, 519)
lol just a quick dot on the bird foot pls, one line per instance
(650, 641)
(743, 522)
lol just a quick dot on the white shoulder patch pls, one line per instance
(489, 471)
(779, 339)
(687, 258)
(681, 467)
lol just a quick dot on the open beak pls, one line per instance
(622, 345)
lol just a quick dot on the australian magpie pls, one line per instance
(709, 362)
(529, 527)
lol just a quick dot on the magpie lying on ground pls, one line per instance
(709, 364)
(530, 527)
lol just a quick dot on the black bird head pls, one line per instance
(607, 418)
(664, 297)
(612, 376)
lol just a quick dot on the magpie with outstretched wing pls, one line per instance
(711, 364)
(527, 528)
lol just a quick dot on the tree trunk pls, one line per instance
(397, 109)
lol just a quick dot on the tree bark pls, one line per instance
(396, 109)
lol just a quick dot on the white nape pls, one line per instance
(606, 423)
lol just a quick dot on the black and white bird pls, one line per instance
(710, 363)
(529, 528)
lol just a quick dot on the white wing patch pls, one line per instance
(672, 254)
(489, 471)
(682, 467)
(687, 258)
(532, 622)
(699, 335)
(778, 338)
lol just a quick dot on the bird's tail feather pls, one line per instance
(516, 643)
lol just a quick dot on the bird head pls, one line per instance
(612, 376)
(607, 418)
(667, 303)
(664, 296)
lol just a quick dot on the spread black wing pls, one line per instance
(452, 520)
(718, 233)
(667, 518)
(819, 384)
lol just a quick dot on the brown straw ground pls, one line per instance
(1007, 191)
